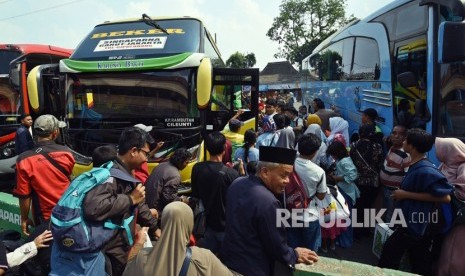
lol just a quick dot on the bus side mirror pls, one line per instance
(35, 85)
(33, 92)
(204, 83)
(451, 42)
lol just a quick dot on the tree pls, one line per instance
(303, 24)
(239, 60)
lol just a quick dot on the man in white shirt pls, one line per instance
(314, 180)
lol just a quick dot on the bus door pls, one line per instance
(409, 81)
(233, 89)
(45, 92)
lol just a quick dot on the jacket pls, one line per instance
(111, 200)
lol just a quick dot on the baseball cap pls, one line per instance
(371, 112)
(235, 124)
(146, 129)
(44, 125)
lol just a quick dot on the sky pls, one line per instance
(239, 25)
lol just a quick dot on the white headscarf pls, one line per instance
(320, 157)
(316, 129)
(339, 125)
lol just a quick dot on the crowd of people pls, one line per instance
(241, 187)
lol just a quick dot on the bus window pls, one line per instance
(366, 59)
(330, 62)
(5, 58)
(405, 21)
(211, 52)
(347, 51)
(221, 98)
(411, 20)
(8, 103)
(335, 62)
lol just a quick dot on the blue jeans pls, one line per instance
(308, 237)
(212, 240)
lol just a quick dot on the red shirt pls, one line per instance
(143, 173)
(37, 178)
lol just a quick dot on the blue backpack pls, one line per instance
(71, 232)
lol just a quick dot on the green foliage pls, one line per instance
(239, 60)
(303, 24)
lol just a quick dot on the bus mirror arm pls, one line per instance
(456, 6)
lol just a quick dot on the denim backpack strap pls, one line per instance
(187, 261)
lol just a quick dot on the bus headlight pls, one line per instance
(7, 150)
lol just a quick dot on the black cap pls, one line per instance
(372, 113)
(277, 155)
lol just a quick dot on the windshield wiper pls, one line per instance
(149, 21)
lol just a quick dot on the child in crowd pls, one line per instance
(248, 152)
(330, 231)
(345, 176)
(393, 171)
(423, 190)
(103, 154)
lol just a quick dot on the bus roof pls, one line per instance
(37, 49)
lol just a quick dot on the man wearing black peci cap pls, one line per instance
(253, 240)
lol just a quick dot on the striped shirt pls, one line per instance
(395, 166)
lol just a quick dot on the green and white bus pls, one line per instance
(160, 72)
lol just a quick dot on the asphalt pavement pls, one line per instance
(360, 252)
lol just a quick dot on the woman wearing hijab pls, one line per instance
(320, 156)
(339, 130)
(167, 255)
(313, 119)
(451, 153)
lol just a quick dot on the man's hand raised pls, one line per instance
(138, 194)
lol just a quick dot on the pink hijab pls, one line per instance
(451, 153)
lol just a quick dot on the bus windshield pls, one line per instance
(137, 40)
(8, 102)
(5, 58)
(156, 94)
